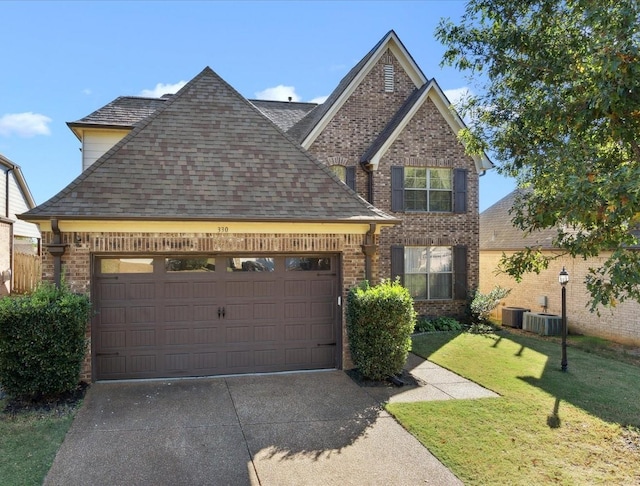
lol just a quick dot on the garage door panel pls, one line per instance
(113, 366)
(173, 323)
(322, 288)
(206, 335)
(296, 332)
(141, 291)
(138, 338)
(322, 333)
(177, 337)
(262, 311)
(266, 333)
(142, 363)
(205, 290)
(113, 316)
(321, 310)
(238, 334)
(113, 339)
(205, 361)
(238, 312)
(295, 310)
(296, 288)
(205, 312)
(113, 291)
(178, 313)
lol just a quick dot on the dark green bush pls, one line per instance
(42, 342)
(443, 323)
(380, 321)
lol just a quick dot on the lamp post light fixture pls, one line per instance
(563, 278)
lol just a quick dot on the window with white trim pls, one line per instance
(428, 189)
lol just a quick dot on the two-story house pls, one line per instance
(220, 235)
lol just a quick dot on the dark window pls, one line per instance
(308, 264)
(428, 189)
(250, 264)
(202, 264)
(431, 272)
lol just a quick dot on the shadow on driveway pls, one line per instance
(296, 428)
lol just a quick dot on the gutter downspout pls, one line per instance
(369, 249)
(57, 249)
(368, 168)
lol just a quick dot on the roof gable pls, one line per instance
(309, 128)
(207, 154)
(385, 139)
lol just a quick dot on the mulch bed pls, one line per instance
(406, 378)
(50, 405)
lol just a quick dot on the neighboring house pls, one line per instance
(15, 235)
(215, 235)
(542, 292)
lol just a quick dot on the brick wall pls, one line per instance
(82, 247)
(427, 141)
(620, 323)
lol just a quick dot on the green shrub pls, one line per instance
(482, 304)
(442, 323)
(380, 321)
(42, 342)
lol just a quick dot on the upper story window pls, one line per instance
(428, 189)
(441, 190)
(345, 174)
(340, 171)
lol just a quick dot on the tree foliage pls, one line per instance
(559, 109)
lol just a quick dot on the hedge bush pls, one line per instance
(380, 321)
(434, 324)
(42, 342)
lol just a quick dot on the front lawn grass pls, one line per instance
(578, 427)
(29, 442)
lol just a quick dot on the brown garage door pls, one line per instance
(165, 316)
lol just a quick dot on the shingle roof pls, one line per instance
(301, 129)
(498, 233)
(124, 111)
(285, 114)
(208, 154)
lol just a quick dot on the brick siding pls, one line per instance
(620, 323)
(427, 141)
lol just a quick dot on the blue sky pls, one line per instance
(61, 61)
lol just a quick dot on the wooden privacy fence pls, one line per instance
(27, 272)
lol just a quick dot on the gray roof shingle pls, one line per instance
(497, 232)
(124, 111)
(208, 154)
(285, 114)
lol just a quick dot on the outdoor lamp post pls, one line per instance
(563, 278)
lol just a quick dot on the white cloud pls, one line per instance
(162, 89)
(278, 93)
(86, 91)
(319, 99)
(24, 124)
(457, 95)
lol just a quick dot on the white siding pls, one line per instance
(17, 205)
(96, 143)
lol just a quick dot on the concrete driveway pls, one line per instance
(315, 428)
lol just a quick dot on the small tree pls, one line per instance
(42, 341)
(380, 321)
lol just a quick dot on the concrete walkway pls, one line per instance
(314, 428)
